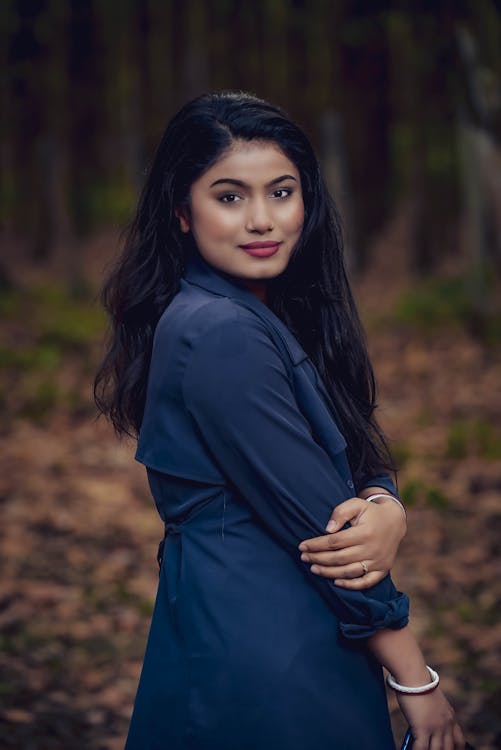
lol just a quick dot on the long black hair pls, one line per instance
(312, 296)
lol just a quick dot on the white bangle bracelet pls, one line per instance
(435, 679)
(389, 497)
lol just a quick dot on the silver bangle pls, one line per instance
(389, 497)
(435, 679)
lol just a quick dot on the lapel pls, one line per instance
(311, 393)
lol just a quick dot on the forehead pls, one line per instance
(253, 162)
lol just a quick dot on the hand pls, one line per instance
(432, 722)
(374, 536)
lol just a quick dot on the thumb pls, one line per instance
(344, 513)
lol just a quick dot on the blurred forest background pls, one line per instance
(403, 103)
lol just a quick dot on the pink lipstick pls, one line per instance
(261, 249)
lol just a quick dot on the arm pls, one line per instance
(238, 391)
(430, 715)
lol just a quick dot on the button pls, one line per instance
(350, 484)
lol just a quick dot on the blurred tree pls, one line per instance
(364, 78)
(25, 25)
(479, 108)
(88, 87)
(423, 132)
(86, 94)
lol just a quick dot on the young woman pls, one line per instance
(237, 357)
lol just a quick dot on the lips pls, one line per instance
(261, 249)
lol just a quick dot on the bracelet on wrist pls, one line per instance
(419, 689)
(388, 497)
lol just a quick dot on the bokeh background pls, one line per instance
(403, 103)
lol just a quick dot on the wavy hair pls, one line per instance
(312, 296)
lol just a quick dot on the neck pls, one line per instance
(258, 288)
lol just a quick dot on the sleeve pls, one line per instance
(239, 393)
(380, 480)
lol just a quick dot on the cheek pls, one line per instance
(296, 217)
(212, 221)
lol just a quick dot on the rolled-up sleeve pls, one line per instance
(239, 392)
(380, 480)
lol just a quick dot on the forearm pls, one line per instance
(399, 652)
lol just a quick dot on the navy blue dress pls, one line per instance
(249, 650)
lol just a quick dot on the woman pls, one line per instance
(238, 358)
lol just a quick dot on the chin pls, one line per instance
(269, 268)
(262, 274)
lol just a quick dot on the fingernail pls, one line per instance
(314, 569)
(331, 526)
(303, 546)
(305, 557)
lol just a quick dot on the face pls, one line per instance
(246, 213)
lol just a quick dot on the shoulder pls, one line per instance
(225, 328)
(231, 349)
(198, 318)
(234, 368)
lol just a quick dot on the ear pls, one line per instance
(183, 215)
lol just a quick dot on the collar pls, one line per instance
(202, 274)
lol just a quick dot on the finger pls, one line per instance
(340, 540)
(458, 736)
(421, 742)
(335, 557)
(437, 740)
(364, 582)
(345, 512)
(355, 570)
(448, 741)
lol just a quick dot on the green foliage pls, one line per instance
(7, 688)
(457, 440)
(474, 437)
(434, 303)
(467, 610)
(401, 453)
(447, 302)
(415, 492)
(52, 332)
(104, 203)
(10, 304)
(441, 158)
(411, 491)
(65, 319)
(402, 137)
(145, 607)
(37, 357)
(435, 498)
(40, 400)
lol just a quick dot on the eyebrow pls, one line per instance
(240, 183)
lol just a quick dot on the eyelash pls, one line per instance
(287, 191)
(223, 198)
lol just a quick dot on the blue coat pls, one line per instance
(249, 650)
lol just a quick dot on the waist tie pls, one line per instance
(170, 529)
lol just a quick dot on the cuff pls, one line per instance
(393, 614)
(381, 480)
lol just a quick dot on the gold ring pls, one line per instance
(365, 567)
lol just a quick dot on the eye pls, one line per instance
(282, 193)
(229, 198)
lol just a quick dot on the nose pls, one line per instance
(259, 218)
